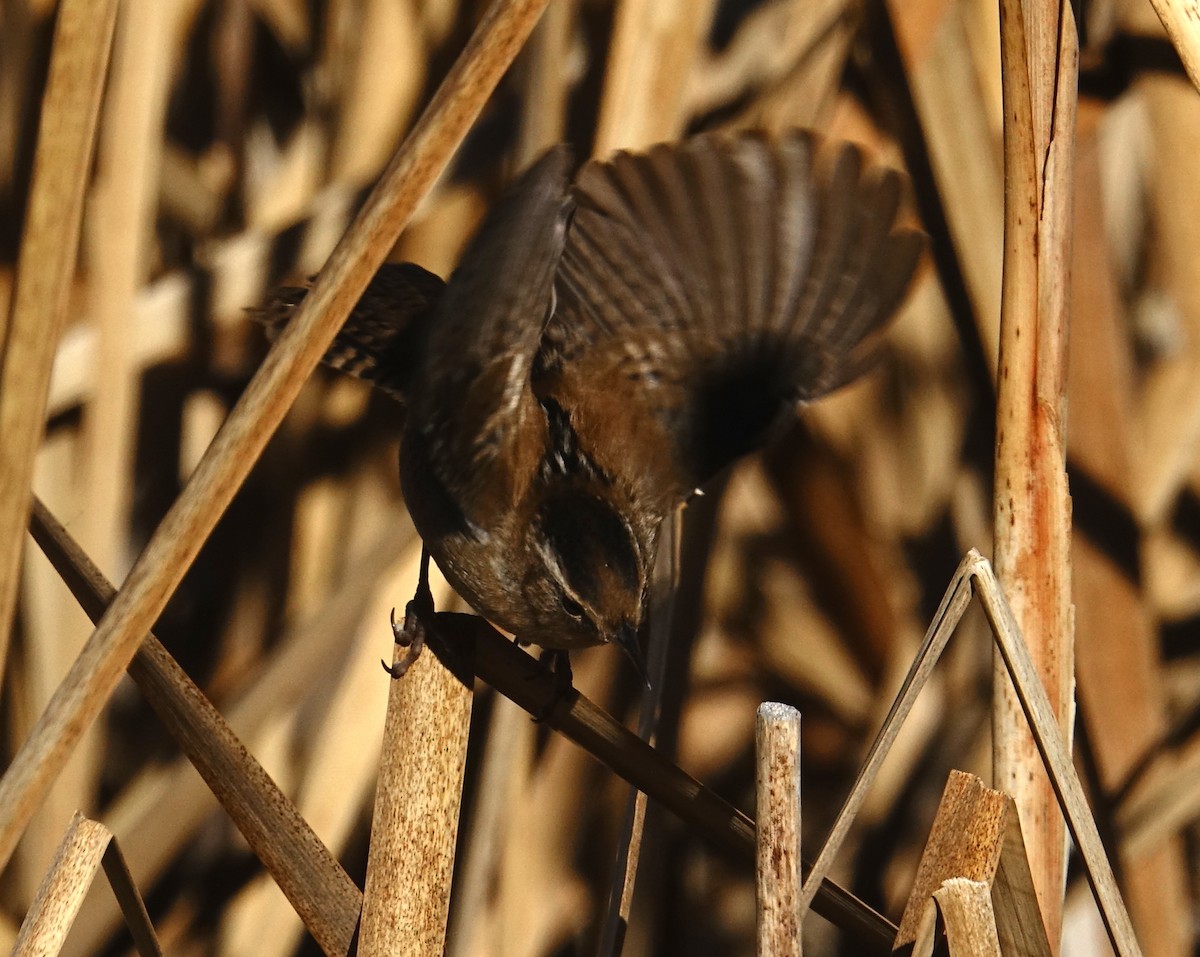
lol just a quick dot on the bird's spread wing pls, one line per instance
(380, 340)
(729, 278)
(480, 427)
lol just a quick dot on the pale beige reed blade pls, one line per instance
(30, 331)
(119, 239)
(654, 45)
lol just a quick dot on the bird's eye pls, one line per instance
(572, 608)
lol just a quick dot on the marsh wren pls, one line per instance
(607, 347)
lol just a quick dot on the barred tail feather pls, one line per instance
(381, 339)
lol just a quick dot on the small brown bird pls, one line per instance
(606, 348)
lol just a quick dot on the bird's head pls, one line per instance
(589, 577)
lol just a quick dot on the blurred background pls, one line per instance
(236, 139)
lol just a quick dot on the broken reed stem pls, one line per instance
(46, 267)
(414, 830)
(63, 889)
(976, 836)
(181, 534)
(324, 896)
(86, 845)
(777, 831)
(1032, 504)
(966, 909)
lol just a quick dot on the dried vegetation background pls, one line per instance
(235, 139)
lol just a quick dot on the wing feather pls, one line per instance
(734, 276)
(472, 399)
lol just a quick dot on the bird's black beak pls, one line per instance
(626, 639)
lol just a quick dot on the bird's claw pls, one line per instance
(411, 635)
(559, 663)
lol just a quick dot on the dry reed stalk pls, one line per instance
(777, 831)
(384, 63)
(544, 68)
(614, 925)
(406, 900)
(619, 913)
(1120, 678)
(129, 899)
(1181, 18)
(1056, 758)
(664, 594)
(30, 330)
(324, 897)
(951, 610)
(956, 122)
(16, 37)
(1032, 520)
(120, 229)
(86, 846)
(178, 539)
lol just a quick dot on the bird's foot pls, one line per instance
(559, 664)
(418, 625)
